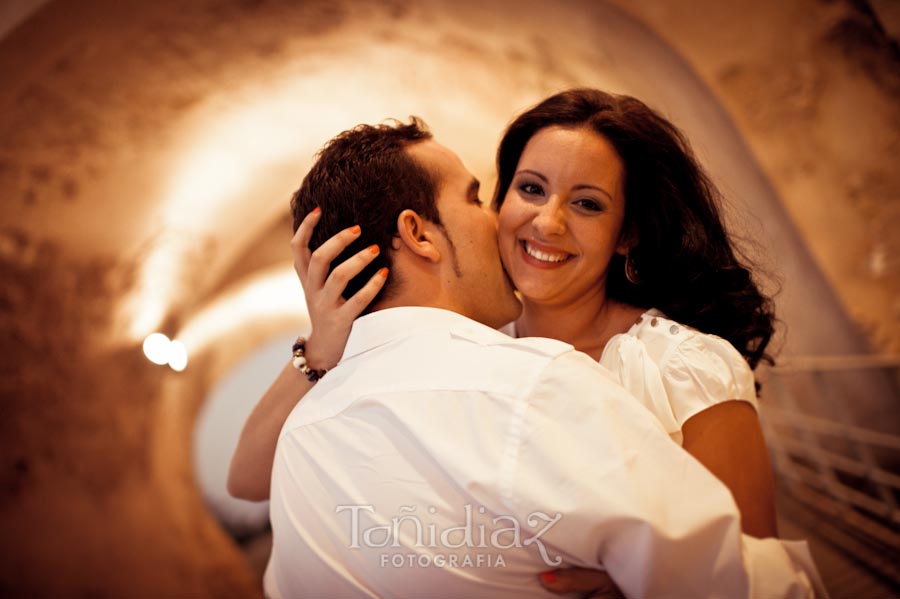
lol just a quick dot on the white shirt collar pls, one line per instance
(390, 324)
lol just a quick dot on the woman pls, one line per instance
(611, 233)
(609, 228)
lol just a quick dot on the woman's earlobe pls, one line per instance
(627, 242)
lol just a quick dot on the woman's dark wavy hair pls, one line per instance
(686, 264)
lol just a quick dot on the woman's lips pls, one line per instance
(541, 256)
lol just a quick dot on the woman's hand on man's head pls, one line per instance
(330, 314)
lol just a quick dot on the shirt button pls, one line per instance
(673, 329)
(653, 322)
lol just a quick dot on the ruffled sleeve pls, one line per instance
(702, 371)
(677, 372)
(628, 359)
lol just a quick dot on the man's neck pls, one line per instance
(418, 300)
(402, 300)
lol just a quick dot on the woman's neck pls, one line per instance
(587, 324)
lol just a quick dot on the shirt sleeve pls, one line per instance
(618, 492)
(635, 369)
(702, 371)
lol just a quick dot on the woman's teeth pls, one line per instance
(543, 256)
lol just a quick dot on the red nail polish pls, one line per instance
(316, 210)
(383, 272)
(374, 249)
(355, 229)
(548, 577)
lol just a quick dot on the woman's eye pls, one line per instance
(589, 205)
(531, 188)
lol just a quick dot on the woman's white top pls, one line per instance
(676, 371)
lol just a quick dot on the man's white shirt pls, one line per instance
(442, 458)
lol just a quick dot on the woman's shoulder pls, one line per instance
(670, 343)
(669, 365)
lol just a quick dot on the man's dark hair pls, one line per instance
(365, 177)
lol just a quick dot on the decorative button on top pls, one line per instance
(673, 329)
(653, 322)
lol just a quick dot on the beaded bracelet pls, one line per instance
(299, 362)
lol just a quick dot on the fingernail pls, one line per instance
(316, 210)
(548, 577)
(355, 229)
(374, 249)
(383, 272)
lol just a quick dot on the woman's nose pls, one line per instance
(550, 219)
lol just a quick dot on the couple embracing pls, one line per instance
(604, 440)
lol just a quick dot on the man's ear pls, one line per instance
(417, 235)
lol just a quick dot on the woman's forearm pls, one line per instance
(250, 472)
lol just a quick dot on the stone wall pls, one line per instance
(96, 98)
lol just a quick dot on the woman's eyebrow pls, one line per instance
(535, 173)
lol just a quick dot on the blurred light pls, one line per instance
(160, 350)
(227, 146)
(156, 348)
(178, 357)
(275, 293)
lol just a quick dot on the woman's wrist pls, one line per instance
(300, 361)
(318, 357)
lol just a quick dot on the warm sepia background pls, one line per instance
(148, 150)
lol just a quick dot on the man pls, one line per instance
(442, 458)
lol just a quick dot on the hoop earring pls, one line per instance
(631, 271)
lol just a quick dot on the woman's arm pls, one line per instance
(728, 440)
(250, 471)
(251, 465)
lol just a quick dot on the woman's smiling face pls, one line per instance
(561, 220)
